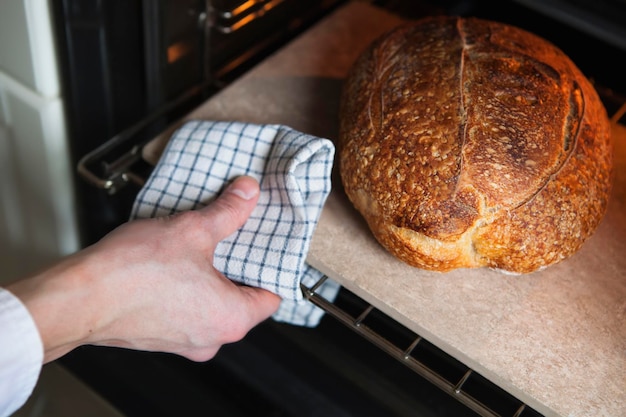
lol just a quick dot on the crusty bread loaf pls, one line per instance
(470, 143)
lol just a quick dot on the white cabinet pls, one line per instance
(27, 52)
(37, 209)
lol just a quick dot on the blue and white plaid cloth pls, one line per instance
(270, 250)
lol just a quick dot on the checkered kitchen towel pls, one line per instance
(293, 170)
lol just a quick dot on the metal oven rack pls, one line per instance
(468, 387)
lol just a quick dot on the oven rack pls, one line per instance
(465, 385)
(117, 171)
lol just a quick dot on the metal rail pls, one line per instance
(456, 389)
(118, 173)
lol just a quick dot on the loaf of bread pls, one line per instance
(469, 143)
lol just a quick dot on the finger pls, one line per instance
(232, 208)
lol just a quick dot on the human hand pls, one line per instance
(150, 285)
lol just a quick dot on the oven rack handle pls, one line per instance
(404, 354)
(118, 173)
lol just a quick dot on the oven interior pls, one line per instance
(130, 68)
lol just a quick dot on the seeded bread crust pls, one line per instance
(469, 143)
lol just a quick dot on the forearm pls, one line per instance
(60, 303)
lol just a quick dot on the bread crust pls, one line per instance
(471, 143)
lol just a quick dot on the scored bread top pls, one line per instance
(453, 131)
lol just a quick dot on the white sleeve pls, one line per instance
(21, 353)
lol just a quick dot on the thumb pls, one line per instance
(232, 208)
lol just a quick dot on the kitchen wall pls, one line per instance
(37, 210)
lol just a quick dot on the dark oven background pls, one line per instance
(131, 65)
